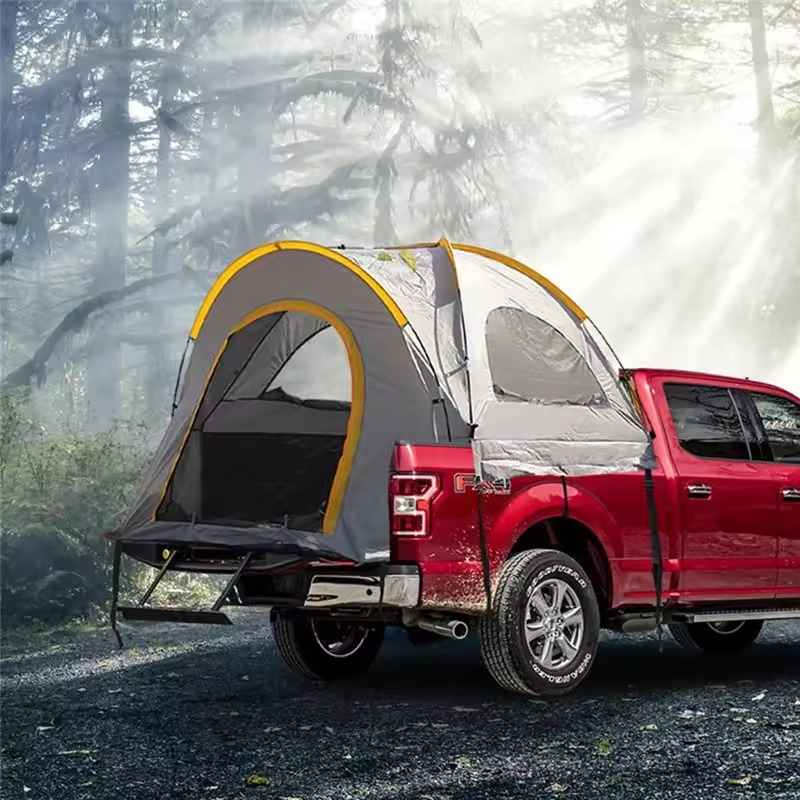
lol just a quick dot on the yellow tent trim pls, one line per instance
(565, 299)
(356, 362)
(267, 249)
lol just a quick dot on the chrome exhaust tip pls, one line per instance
(452, 629)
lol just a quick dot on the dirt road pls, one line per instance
(194, 712)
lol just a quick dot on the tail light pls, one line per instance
(410, 498)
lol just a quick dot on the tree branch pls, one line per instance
(35, 367)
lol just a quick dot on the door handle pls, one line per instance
(700, 491)
(791, 495)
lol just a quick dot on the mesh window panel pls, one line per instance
(530, 361)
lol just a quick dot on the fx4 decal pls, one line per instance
(468, 481)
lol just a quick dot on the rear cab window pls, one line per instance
(780, 418)
(709, 422)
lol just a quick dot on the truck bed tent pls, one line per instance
(307, 364)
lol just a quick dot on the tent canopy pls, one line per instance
(307, 364)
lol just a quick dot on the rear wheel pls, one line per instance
(716, 638)
(542, 632)
(325, 649)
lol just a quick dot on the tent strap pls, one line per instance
(657, 555)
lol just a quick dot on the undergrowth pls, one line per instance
(58, 494)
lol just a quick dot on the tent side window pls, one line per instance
(317, 370)
(532, 362)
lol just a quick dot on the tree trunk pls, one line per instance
(156, 396)
(255, 131)
(111, 205)
(8, 49)
(637, 63)
(758, 34)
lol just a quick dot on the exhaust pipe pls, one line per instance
(452, 629)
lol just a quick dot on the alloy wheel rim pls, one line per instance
(726, 628)
(339, 639)
(554, 624)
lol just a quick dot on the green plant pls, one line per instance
(59, 494)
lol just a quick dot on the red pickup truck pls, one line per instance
(606, 498)
(728, 497)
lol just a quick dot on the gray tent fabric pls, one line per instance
(308, 364)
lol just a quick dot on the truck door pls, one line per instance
(779, 417)
(728, 506)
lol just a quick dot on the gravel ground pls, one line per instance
(193, 712)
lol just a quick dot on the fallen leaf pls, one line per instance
(26, 789)
(650, 727)
(557, 787)
(245, 677)
(256, 780)
(751, 721)
(759, 697)
(384, 256)
(462, 761)
(409, 258)
(604, 747)
(746, 781)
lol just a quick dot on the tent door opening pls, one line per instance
(276, 442)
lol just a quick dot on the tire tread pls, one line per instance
(496, 646)
(283, 632)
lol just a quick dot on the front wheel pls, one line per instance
(541, 634)
(716, 638)
(325, 649)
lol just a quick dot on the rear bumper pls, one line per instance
(394, 586)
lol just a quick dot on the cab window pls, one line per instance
(781, 420)
(707, 421)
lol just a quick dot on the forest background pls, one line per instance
(643, 155)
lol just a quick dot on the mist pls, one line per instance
(641, 155)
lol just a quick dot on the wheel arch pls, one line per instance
(578, 524)
(578, 541)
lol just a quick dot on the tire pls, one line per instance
(716, 640)
(527, 584)
(310, 648)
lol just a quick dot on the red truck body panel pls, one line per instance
(740, 544)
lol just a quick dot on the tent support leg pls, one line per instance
(161, 573)
(231, 583)
(115, 592)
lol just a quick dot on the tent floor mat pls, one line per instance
(148, 614)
